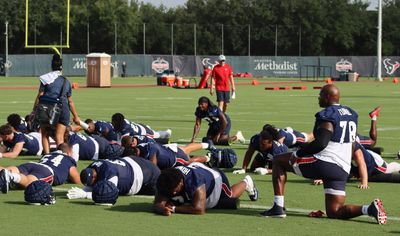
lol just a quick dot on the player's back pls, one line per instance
(118, 171)
(339, 148)
(60, 163)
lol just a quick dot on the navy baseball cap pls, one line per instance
(87, 176)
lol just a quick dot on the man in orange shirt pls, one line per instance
(222, 76)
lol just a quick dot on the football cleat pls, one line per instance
(240, 137)
(275, 212)
(375, 112)
(251, 188)
(377, 211)
(4, 180)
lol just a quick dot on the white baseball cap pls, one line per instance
(221, 58)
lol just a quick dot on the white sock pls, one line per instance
(364, 209)
(279, 200)
(208, 158)
(374, 118)
(204, 145)
(16, 178)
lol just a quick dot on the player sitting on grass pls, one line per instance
(131, 175)
(169, 155)
(201, 188)
(267, 144)
(15, 143)
(219, 123)
(124, 127)
(102, 128)
(328, 157)
(55, 168)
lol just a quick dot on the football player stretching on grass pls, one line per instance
(219, 123)
(328, 157)
(203, 188)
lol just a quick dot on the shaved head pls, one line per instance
(329, 95)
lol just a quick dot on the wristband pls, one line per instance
(173, 209)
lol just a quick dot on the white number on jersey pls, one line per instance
(117, 162)
(349, 126)
(56, 160)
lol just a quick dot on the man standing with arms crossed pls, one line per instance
(222, 76)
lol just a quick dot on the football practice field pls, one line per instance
(165, 107)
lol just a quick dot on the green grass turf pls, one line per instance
(164, 107)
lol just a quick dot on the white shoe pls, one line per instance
(240, 137)
(251, 188)
(169, 131)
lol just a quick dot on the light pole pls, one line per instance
(6, 64)
(379, 43)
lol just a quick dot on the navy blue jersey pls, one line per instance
(115, 170)
(22, 127)
(277, 148)
(131, 129)
(211, 115)
(374, 162)
(166, 158)
(105, 129)
(194, 177)
(84, 147)
(31, 144)
(344, 121)
(292, 137)
(52, 91)
(143, 139)
(339, 149)
(60, 163)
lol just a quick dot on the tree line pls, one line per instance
(204, 27)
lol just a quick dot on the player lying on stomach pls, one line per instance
(15, 143)
(200, 187)
(104, 180)
(56, 168)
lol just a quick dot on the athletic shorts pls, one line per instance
(213, 128)
(147, 129)
(379, 169)
(39, 171)
(181, 157)
(150, 176)
(225, 200)
(365, 141)
(263, 161)
(334, 176)
(223, 96)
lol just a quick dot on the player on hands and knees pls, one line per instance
(328, 157)
(219, 123)
(200, 187)
(267, 144)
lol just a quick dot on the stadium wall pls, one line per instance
(268, 66)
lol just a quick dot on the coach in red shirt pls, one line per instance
(222, 75)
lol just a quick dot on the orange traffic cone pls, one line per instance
(328, 80)
(395, 80)
(255, 82)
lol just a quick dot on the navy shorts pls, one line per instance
(149, 131)
(225, 200)
(37, 170)
(223, 96)
(181, 157)
(333, 176)
(262, 161)
(365, 141)
(65, 115)
(213, 128)
(150, 175)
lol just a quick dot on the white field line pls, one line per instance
(249, 206)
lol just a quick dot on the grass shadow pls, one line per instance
(16, 202)
(84, 203)
(133, 207)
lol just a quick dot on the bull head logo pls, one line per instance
(390, 67)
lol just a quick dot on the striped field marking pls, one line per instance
(248, 206)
